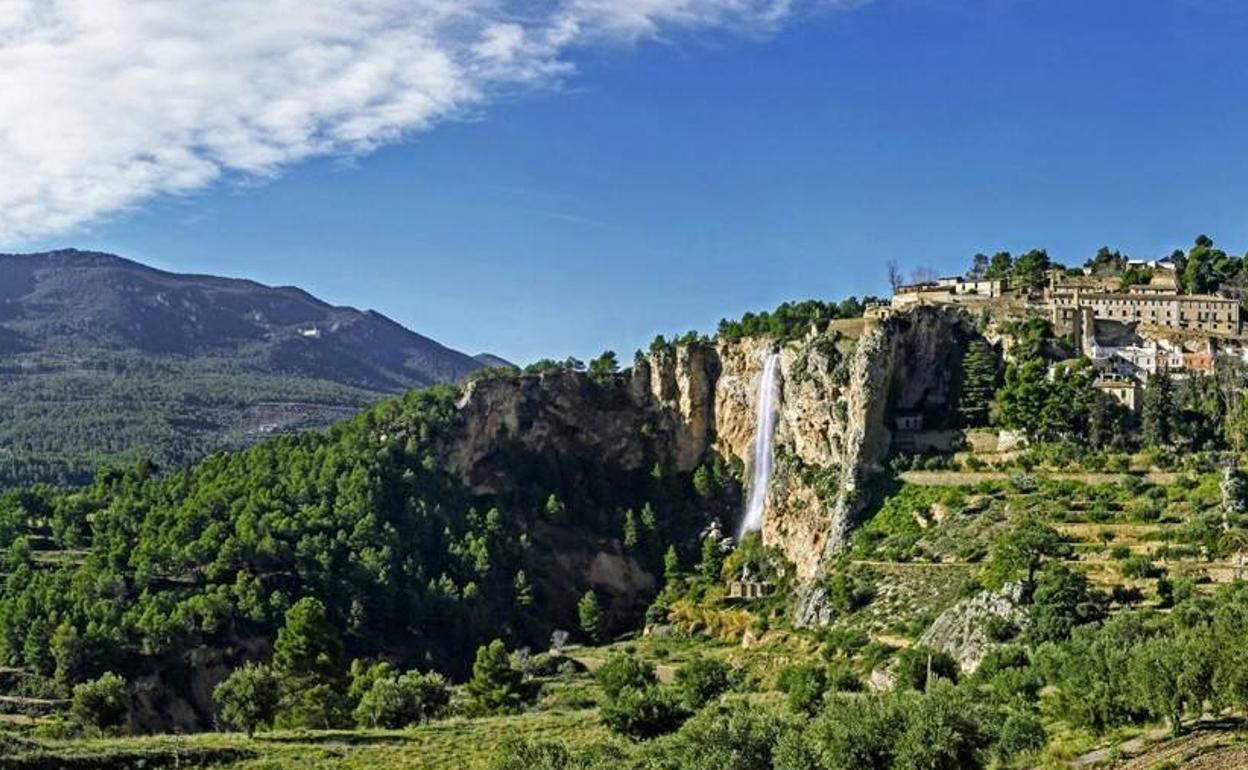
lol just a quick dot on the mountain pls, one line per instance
(102, 357)
(492, 361)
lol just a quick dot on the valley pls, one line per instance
(970, 555)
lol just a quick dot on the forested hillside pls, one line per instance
(104, 360)
(139, 570)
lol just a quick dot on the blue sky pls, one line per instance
(696, 172)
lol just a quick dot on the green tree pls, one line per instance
(395, 702)
(604, 366)
(979, 380)
(101, 703)
(943, 732)
(555, 509)
(980, 265)
(1023, 550)
(1000, 266)
(917, 667)
(496, 687)
(806, 684)
(307, 659)
(711, 565)
(671, 564)
(852, 733)
(1063, 600)
(642, 713)
(523, 589)
(704, 483)
(1173, 673)
(1031, 269)
(1157, 412)
(248, 697)
(590, 615)
(307, 644)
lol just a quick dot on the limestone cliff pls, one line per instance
(841, 389)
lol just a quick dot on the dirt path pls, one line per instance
(967, 478)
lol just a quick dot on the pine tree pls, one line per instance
(524, 590)
(671, 564)
(495, 687)
(590, 616)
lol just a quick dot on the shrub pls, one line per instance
(248, 697)
(642, 713)
(623, 671)
(701, 680)
(805, 684)
(914, 663)
(102, 703)
(398, 701)
(842, 678)
(1020, 734)
(1138, 566)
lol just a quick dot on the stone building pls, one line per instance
(1195, 312)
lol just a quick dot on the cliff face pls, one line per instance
(840, 391)
(839, 395)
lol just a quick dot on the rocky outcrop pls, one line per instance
(840, 389)
(964, 631)
(840, 393)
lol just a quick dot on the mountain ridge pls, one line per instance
(87, 338)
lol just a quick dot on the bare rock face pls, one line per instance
(557, 413)
(839, 394)
(962, 630)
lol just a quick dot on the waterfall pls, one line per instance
(764, 428)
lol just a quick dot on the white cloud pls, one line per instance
(105, 104)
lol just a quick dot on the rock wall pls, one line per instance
(838, 397)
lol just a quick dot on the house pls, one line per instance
(1124, 390)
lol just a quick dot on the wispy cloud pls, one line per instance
(106, 104)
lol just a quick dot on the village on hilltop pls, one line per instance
(1129, 328)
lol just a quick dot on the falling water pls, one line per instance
(765, 425)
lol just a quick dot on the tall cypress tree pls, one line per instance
(1157, 412)
(979, 380)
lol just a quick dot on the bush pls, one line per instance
(1138, 566)
(1020, 734)
(913, 664)
(521, 754)
(398, 701)
(842, 678)
(701, 680)
(623, 671)
(102, 703)
(805, 684)
(642, 713)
